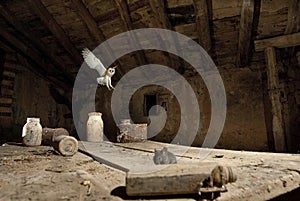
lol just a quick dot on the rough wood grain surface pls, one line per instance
(274, 96)
(266, 174)
(290, 40)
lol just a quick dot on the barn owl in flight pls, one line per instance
(94, 63)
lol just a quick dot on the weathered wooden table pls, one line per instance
(261, 175)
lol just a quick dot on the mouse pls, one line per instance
(162, 157)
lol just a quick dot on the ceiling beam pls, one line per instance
(56, 29)
(245, 32)
(33, 39)
(284, 41)
(293, 24)
(158, 7)
(94, 29)
(125, 15)
(40, 65)
(202, 24)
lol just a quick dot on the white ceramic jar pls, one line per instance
(32, 132)
(94, 127)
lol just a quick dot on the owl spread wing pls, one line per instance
(93, 62)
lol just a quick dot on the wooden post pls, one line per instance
(246, 24)
(202, 24)
(274, 97)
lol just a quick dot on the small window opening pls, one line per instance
(149, 101)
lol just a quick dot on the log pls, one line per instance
(274, 97)
(49, 134)
(65, 145)
(290, 40)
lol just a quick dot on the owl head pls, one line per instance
(111, 71)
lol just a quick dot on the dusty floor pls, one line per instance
(31, 173)
(38, 173)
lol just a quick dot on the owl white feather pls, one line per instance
(94, 63)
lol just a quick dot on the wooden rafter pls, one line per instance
(40, 66)
(290, 40)
(158, 7)
(293, 24)
(93, 27)
(202, 24)
(245, 33)
(33, 39)
(274, 97)
(56, 29)
(125, 15)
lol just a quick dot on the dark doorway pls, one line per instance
(149, 101)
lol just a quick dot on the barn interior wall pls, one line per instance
(290, 98)
(30, 97)
(245, 121)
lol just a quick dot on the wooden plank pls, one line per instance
(34, 40)
(266, 174)
(9, 83)
(173, 179)
(274, 96)
(5, 91)
(202, 24)
(94, 29)
(290, 40)
(56, 29)
(7, 110)
(5, 100)
(245, 32)
(9, 73)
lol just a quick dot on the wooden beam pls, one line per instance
(293, 24)
(278, 42)
(125, 15)
(202, 24)
(41, 66)
(158, 7)
(175, 179)
(274, 96)
(56, 29)
(34, 40)
(245, 33)
(94, 29)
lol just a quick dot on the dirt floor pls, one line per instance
(38, 173)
